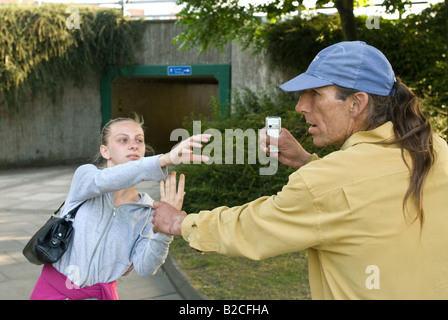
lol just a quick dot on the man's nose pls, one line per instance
(301, 104)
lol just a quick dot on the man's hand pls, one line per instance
(290, 153)
(167, 219)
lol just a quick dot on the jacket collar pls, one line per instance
(146, 200)
(383, 133)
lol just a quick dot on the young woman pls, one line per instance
(113, 230)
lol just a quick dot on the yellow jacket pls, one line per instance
(346, 208)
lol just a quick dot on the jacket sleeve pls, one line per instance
(89, 181)
(150, 250)
(266, 227)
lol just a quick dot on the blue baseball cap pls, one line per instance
(349, 64)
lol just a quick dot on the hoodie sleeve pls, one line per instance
(89, 181)
(150, 250)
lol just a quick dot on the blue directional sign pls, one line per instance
(179, 70)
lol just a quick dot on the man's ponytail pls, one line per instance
(413, 132)
(415, 135)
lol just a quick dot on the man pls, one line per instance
(373, 214)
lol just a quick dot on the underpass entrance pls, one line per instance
(164, 96)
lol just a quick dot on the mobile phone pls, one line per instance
(273, 129)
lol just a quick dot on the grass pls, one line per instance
(231, 278)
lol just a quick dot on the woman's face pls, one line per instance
(125, 143)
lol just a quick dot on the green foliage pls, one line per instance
(415, 46)
(37, 49)
(394, 5)
(293, 44)
(211, 185)
(215, 23)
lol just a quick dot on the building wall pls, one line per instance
(158, 48)
(68, 131)
(253, 71)
(46, 133)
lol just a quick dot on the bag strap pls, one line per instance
(72, 213)
(59, 209)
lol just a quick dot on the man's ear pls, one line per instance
(104, 152)
(359, 105)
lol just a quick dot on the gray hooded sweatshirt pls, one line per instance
(109, 241)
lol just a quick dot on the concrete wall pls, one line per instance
(68, 131)
(158, 48)
(45, 133)
(253, 71)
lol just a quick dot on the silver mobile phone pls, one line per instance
(273, 129)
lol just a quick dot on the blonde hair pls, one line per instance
(105, 133)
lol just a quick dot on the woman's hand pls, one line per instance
(183, 153)
(168, 191)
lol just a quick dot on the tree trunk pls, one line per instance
(345, 9)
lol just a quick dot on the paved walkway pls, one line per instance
(27, 199)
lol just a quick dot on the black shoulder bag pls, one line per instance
(51, 241)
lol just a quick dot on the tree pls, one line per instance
(216, 22)
(345, 9)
